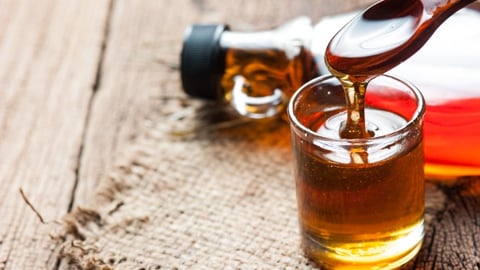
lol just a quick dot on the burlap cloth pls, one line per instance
(221, 197)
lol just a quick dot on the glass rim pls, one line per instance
(419, 112)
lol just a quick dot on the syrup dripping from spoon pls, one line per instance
(380, 38)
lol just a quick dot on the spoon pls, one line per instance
(385, 34)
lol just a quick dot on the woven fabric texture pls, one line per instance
(216, 199)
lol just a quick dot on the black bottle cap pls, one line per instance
(202, 60)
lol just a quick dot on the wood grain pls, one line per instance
(452, 238)
(49, 53)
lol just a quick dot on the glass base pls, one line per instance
(377, 251)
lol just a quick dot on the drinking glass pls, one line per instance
(360, 201)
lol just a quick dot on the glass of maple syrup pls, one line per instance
(361, 197)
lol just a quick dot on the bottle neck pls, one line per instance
(249, 41)
(288, 38)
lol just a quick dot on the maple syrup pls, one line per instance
(384, 35)
(446, 73)
(360, 200)
(380, 38)
(265, 70)
(256, 73)
(361, 212)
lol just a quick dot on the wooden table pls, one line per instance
(76, 78)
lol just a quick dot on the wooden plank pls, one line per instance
(141, 47)
(49, 53)
(452, 237)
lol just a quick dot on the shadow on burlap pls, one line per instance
(218, 193)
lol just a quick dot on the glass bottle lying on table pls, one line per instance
(258, 72)
(255, 72)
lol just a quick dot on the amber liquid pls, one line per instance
(268, 69)
(359, 214)
(449, 132)
(364, 213)
(384, 36)
(449, 129)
